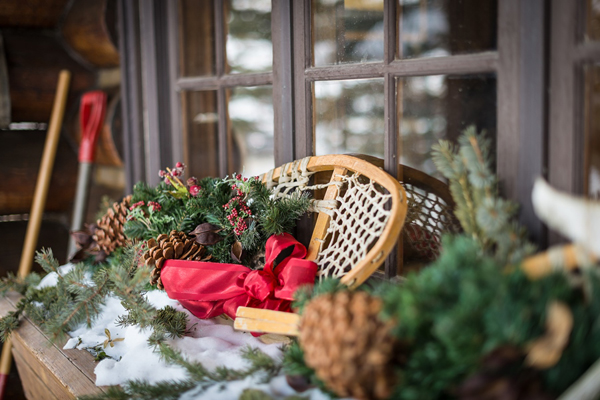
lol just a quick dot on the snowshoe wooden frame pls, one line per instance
(341, 166)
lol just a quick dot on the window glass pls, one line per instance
(592, 28)
(592, 132)
(434, 28)
(197, 40)
(347, 31)
(441, 107)
(349, 117)
(251, 130)
(249, 47)
(200, 134)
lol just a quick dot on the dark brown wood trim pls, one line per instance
(214, 82)
(532, 112)
(345, 71)
(565, 169)
(156, 88)
(390, 114)
(221, 95)
(389, 34)
(460, 64)
(588, 51)
(131, 92)
(175, 98)
(283, 81)
(302, 88)
(508, 96)
(564, 148)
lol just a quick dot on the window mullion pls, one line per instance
(221, 95)
(283, 78)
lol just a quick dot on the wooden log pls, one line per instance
(21, 152)
(86, 28)
(31, 13)
(34, 59)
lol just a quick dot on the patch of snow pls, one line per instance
(52, 278)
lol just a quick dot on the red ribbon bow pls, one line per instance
(208, 289)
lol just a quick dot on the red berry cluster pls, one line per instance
(136, 205)
(154, 206)
(238, 210)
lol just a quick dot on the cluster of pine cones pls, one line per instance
(174, 246)
(106, 235)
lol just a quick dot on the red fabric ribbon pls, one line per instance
(208, 289)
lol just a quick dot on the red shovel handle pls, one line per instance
(91, 117)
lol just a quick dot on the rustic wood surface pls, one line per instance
(46, 370)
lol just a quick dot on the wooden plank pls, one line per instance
(72, 369)
(253, 325)
(37, 381)
(32, 384)
(268, 315)
(258, 320)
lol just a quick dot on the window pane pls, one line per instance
(197, 40)
(347, 31)
(200, 134)
(249, 45)
(349, 117)
(441, 107)
(592, 132)
(592, 14)
(251, 130)
(434, 28)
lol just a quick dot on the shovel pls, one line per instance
(91, 118)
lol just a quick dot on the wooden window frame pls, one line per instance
(520, 64)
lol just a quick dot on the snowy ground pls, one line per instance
(213, 342)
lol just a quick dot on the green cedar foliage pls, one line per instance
(482, 213)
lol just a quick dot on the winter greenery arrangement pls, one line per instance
(472, 325)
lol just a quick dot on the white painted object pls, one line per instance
(576, 218)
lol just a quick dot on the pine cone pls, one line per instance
(109, 230)
(349, 347)
(174, 246)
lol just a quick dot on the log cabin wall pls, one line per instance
(39, 38)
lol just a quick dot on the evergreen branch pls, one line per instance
(199, 378)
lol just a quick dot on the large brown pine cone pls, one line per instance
(174, 246)
(109, 230)
(349, 347)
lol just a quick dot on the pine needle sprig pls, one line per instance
(12, 282)
(482, 213)
(199, 378)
